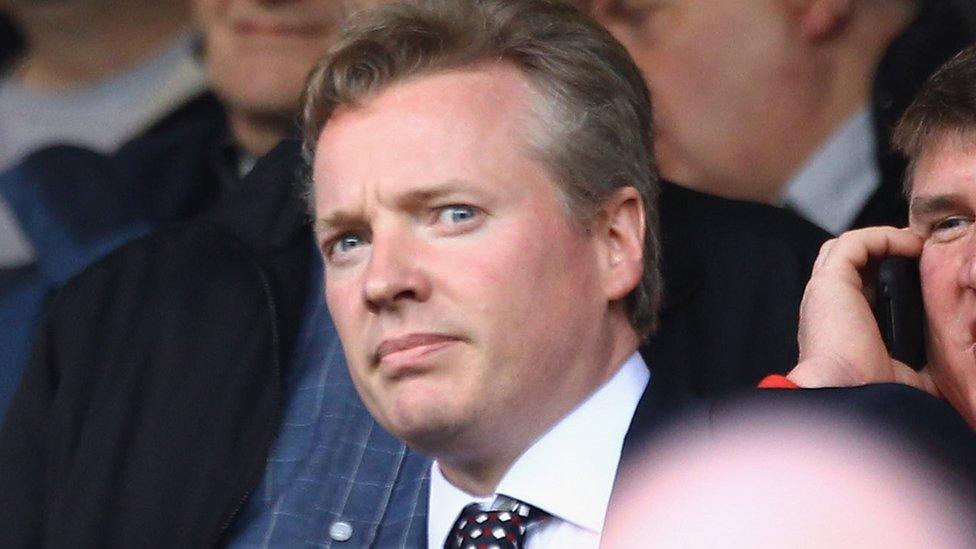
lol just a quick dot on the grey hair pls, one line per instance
(594, 128)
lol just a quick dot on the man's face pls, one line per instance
(467, 300)
(259, 52)
(726, 86)
(943, 209)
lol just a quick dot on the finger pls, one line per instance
(824, 253)
(855, 249)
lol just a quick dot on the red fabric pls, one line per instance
(776, 381)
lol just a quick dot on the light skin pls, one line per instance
(745, 91)
(258, 54)
(465, 296)
(72, 43)
(839, 342)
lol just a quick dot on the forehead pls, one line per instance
(445, 126)
(948, 165)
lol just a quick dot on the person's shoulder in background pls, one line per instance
(734, 274)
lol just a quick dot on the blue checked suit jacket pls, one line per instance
(332, 466)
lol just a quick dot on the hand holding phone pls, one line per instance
(840, 338)
(899, 311)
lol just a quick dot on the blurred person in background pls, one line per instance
(788, 102)
(75, 203)
(790, 478)
(94, 73)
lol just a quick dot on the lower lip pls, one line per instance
(400, 362)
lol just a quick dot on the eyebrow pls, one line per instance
(927, 205)
(342, 218)
(334, 221)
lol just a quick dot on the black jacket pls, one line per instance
(734, 274)
(151, 401)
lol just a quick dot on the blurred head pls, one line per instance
(482, 182)
(938, 134)
(746, 90)
(786, 478)
(259, 52)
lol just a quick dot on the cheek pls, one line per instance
(538, 279)
(938, 279)
(342, 299)
(943, 301)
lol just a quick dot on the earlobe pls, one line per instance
(818, 20)
(623, 242)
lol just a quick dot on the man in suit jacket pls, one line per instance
(484, 202)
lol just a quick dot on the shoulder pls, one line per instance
(715, 219)
(888, 402)
(191, 279)
(904, 414)
(242, 267)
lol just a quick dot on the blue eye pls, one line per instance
(456, 214)
(346, 243)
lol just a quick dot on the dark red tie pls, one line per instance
(501, 525)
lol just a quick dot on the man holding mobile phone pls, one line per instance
(840, 344)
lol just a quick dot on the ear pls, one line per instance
(818, 20)
(620, 232)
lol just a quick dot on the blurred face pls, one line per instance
(464, 295)
(722, 78)
(259, 52)
(943, 209)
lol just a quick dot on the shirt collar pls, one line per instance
(836, 183)
(592, 434)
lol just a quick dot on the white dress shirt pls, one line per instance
(836, 183)
(569, 472)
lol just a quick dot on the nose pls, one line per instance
(395, 275)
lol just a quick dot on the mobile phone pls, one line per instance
(899, 311)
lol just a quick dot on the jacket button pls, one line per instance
(340, 530)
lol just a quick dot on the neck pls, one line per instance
(845, 69)
(91, 41)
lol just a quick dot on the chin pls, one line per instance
(422, 420)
